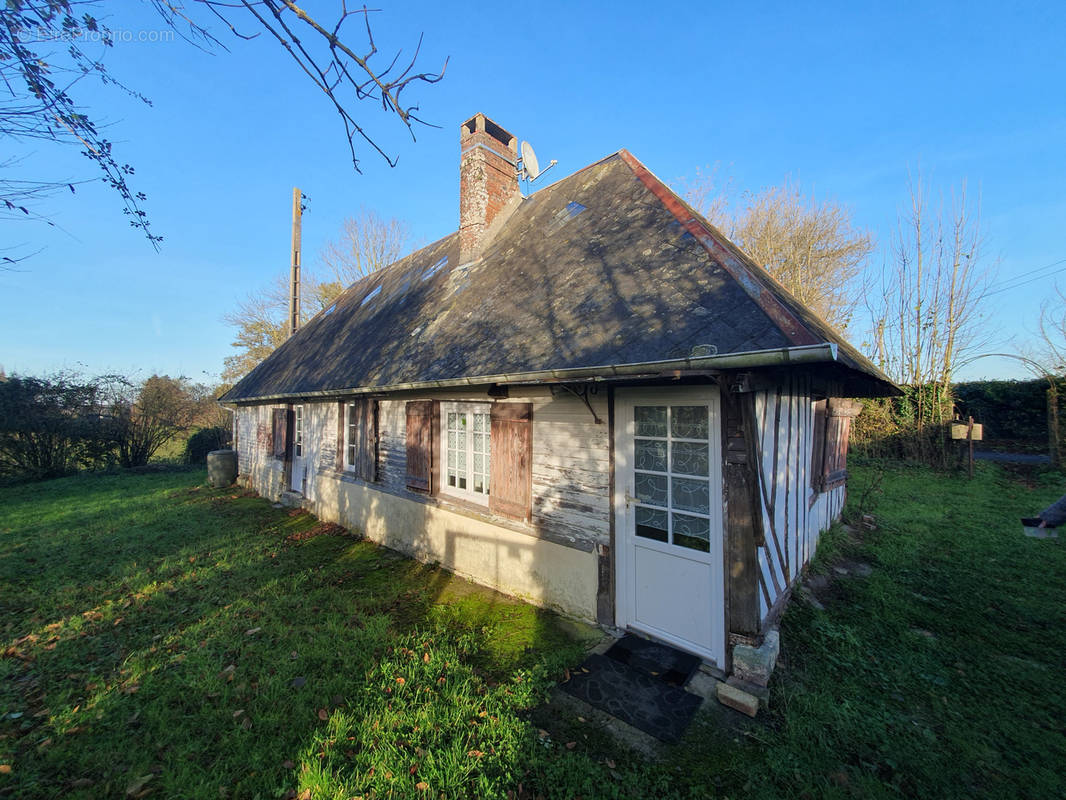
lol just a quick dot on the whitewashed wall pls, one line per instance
(571, 463)
(793, 518)
(254, 427)
(550, 560)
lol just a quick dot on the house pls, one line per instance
(587, 397)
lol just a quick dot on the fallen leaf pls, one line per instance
(246, 723)
(238, 712)
(401, 681)
(227, 673)
(421, 786)
(5, 769)
(571, 745)
(304, 795)
(323, 714)
(475, 754)
(252, 631)
(137, 785)
(425, 657)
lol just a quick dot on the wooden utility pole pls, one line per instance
(294, 274)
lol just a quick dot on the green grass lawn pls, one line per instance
(161, 639)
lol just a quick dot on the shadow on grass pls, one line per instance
(178, 640)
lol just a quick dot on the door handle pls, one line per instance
(630, 498)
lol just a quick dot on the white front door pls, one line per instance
(668, 513)
(299, 461)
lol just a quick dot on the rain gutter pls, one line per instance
(777, 357)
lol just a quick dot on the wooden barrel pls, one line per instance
(221, 468)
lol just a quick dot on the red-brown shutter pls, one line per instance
(282, 423)
(836, 451)
(366, 453)
(421, 422)
(511, 485)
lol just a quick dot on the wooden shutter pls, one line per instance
(423, 433)
(511, 487)
(836, 451)
(818, 446)
(839, 413)
(366, 450)
(364, 413)
(282, 425)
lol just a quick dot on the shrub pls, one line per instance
(204, 441)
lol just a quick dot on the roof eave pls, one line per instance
(823, 353)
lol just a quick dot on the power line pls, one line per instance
(1015, 282)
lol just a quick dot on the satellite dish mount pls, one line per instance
(528, 166)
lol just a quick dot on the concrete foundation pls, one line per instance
(538, 571)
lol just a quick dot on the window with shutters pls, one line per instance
(360, 437)
(466, 450)
(477, 452)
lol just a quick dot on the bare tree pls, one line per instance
(1052, 328)
(931, 299)
(368, 243)
(261, 323)
(813, 248)
(927, 312)
(48, 47)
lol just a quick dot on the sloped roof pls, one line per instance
(604, 269)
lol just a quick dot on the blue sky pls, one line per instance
(845, 99)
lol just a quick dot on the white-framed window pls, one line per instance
(298, 431)
(351, 436)
(465, 439)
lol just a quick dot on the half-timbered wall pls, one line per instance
(794, 513)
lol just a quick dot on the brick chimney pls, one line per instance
(488, 181)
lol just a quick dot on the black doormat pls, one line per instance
(633, 696)
(658, 660)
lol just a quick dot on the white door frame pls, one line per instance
(625, 617)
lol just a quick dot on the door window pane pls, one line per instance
(651, 455)
(651, 524)
(690, 495)
(688, 458)
(689, 422)
(652, 488)
(650, 420)
(692, 532)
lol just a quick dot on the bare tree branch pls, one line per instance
(38, 77)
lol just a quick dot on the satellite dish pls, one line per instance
(529, 162)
